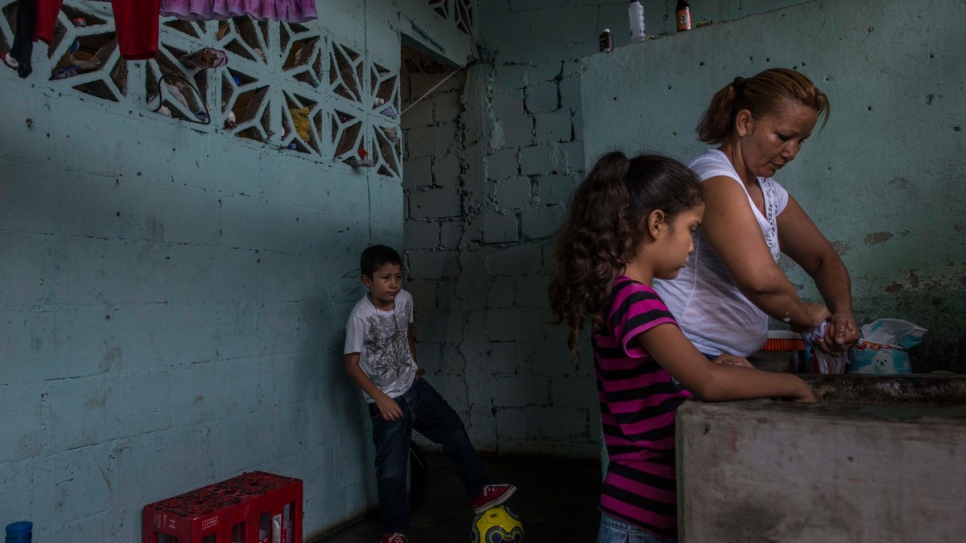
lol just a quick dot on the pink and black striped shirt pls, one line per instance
(638, 401)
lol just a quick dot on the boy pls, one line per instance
(380, 356)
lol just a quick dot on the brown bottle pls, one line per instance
(683, 15)
(606, 41)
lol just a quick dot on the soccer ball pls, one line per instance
(497, 525)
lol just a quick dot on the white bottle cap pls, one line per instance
(606, 30)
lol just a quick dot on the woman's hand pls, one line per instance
(842, 333)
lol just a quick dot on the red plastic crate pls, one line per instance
(232, 511)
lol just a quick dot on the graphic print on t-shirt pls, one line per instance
(387, 346)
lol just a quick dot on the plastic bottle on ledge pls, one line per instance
(606, 41)
(635, 14)
(19, 532)
(683, 15)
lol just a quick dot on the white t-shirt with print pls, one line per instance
(381, 338)
(710, 309)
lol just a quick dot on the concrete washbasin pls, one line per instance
(881, 459)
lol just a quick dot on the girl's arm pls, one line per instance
(801, 240)
(730, 228)
(712, 382)
(388, 407)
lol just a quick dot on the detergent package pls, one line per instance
(882, 345)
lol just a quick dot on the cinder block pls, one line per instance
(519, 390)
(554, 127)
(209, 391)
(503, 163)
(555, 189)
(516, 324)
(421, 235)
(556, 423)
(541, 222)
(448, 106)
(147, 335)
(432, 141)
(572, 69)
(507, 105)
(16, 343)
(539, 159)
(500, 292)
(21, 269)
(91, 271)
(452, 358)
(448, 298)
(430, 265)
(513, 193)
(511, 423)
(570, 94)
(510, 76)
(542, 97)
(22, 420)
(434, 204)
(72, 341)
(187, 274)
(421, 83)
(418, 173)
(439, 326)
(574, 391)
(234, 275)
(424, 294)
(531, 291)
(543, 72)
(446, 171)
(500, 228)
(73, 486)
(518, 131)
(419, 115)
(570, 157)
(515, 261)
(451, 231)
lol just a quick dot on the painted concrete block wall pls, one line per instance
(172, 305)
(492, 158)
(883, 180)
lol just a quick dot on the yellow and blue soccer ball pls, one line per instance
(497, 525)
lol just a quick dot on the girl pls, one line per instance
(630, 222)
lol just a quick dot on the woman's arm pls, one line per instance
(712, 382)
(802, 241)
(731, 229)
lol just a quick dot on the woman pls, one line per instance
(730, 286)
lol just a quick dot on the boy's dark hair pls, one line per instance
(377, 256)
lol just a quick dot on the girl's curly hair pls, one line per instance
(604, 226)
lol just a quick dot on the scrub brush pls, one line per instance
(783, 340)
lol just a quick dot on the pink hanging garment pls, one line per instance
(290, 11)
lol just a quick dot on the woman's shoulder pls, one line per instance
(712, 163)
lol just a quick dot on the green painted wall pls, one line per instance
(884, 180)
(173, 297)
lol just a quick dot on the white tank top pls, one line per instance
(710, 309)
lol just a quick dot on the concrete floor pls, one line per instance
(556, 500)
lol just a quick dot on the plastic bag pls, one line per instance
(882, 345)
(819, 361)
(300, 118)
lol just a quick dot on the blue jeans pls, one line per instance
(425, 411)
(613, 530)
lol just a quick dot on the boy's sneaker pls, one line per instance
(393, 538)
(491, 496)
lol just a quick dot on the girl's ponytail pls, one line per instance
(591, 245)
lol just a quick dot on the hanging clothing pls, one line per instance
(23, 45)
(136, 23)
(290, 11)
